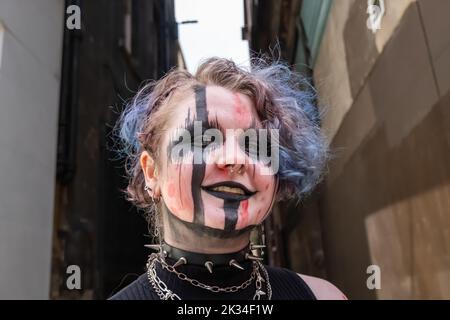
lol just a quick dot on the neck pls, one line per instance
(191, 237)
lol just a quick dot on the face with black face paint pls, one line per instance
(225, 194)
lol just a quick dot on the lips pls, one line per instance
(229, 190)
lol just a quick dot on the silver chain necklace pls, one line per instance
(164, 293)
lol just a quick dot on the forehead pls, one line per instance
(231, 109)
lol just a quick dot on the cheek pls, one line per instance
(175, 190)
(254, 210)
(242, 114)
(264, 199)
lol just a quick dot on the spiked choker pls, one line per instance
(208, 260)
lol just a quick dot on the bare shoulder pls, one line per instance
(322, 289)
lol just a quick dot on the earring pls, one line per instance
(155, 200)
(259, 248)
(256, 250)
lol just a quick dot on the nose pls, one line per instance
(231, 157)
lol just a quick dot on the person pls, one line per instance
(208, 155)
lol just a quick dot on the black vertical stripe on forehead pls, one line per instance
(198, 170)
(200, 103)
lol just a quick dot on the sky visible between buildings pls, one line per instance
(217, 33)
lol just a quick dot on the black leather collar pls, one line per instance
(200, 258)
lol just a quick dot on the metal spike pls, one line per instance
(252, 257)
(180, 261)
(234, 263)
(209, 265)
(156, 247)
(257, 246)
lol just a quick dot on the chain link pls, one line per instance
(216, 289)
(160, 287)
(269, 287)
(165, 293)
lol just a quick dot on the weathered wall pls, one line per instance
(386, 200)
(121, 44)
(30, 65)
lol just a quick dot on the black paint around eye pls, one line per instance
(202, 141)
(252, 147)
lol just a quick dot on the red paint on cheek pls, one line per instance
(242, 116)
(267, 187)
(171, 190)
(244, 212)
(179, 190)
(183, 196)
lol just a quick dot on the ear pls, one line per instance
(149, 169)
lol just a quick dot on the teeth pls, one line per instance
(229, 190)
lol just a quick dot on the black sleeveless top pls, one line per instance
(285, 284)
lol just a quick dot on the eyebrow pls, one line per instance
(214, 124)
(205, 125)
(210, 124)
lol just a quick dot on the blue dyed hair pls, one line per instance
(284, 100)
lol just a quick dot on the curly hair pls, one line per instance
(283, 99)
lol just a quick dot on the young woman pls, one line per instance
(208, 156)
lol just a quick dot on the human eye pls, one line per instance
(248, 142)
(256, 145)
(211, 138)
(202, 141)
(251, 146)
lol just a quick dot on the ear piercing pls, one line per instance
(154, 199)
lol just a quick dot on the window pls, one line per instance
(313, 17)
